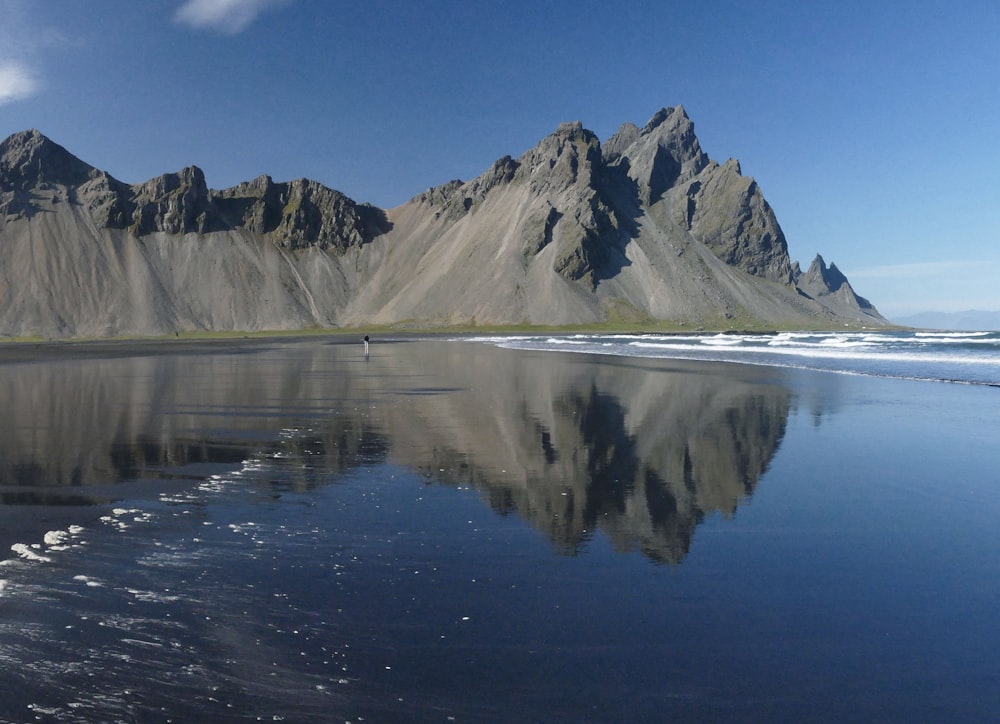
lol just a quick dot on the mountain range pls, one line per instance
(970, 320)
(642, 229)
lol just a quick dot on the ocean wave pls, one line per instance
(899, 355)
(948, 335)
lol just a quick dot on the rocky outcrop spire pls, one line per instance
(829, 286)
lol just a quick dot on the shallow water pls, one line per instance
(449, 531)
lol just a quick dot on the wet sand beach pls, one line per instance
(445, 529)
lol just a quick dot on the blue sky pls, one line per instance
(873, 128)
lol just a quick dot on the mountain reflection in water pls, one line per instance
(642, 450)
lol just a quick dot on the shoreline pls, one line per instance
(27, 349)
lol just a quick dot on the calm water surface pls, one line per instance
(448, 531)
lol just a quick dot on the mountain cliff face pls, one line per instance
(644, 227)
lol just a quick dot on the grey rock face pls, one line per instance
(175, 203)
(727, 212)
(28, 160)
(297, 214)
(30, 167)
(565, 168)
(625, 136)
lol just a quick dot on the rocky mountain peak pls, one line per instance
(568, 156)
(30, 160)
(665, 154)
(190, 178)
(569, 128)
(733, 165)
(830, 276)
(625, 136)
(676, 117)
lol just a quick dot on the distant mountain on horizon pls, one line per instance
(643, 229)
(972, 320)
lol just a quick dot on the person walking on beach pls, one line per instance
(366, 345)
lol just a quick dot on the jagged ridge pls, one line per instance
(643, 227)
(299, 213)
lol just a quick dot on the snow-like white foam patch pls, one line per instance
(118, 515)
(722, 340)
(26, 552)
(175, 499)
(44, 711)
(93, 583)
(55, 539)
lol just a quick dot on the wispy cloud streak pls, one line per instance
(22, 41)
(17, 82)
(224, 16)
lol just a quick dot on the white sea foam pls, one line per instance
(722, 340)
(175, 499)
(26, 552)
(93, 583)
(152, 596)
(957, 340)
(972, 357)
(947, 335)
(58, 540)
(829, 352)
(55, 539)
(116, 519)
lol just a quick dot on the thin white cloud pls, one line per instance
(23, 42)
(916, 270)
(17, 82)
(224, 16)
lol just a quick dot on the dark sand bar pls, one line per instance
(445, 530)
